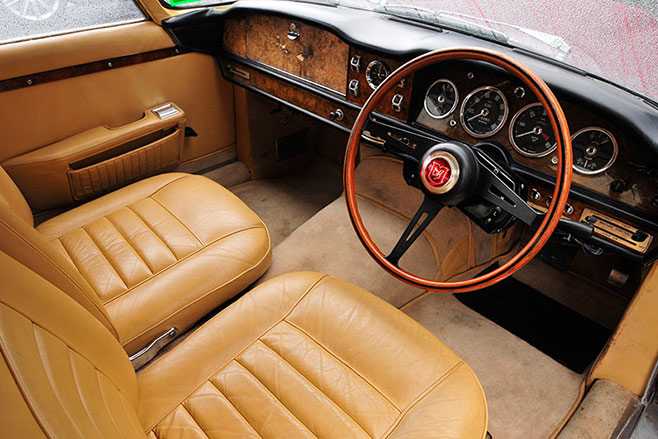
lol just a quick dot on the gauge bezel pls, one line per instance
(511, 134)
(454, 105)
(370, 66)
(612, 159)
(463, 107)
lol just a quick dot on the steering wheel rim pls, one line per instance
(563, 179)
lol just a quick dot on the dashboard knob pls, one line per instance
(535, 195)
(336, 115)
(618, 185)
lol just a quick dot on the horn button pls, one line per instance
(449, 172)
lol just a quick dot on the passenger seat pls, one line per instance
(155, 255)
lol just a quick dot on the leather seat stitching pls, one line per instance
(194, 420)
(62, 272)
(176, 218)
(152, 229)
(422, 396)
(53, 386)
(125, 282)
(130, 245)
(285, 407)
(169, 267)
(107, 408)
(206, 294)
(317, 388)
(75, 265)
(20, 384)
(76, 380)
(65, 343)
(343, 362)
(234, 408)
(92, 219)
(247, 346)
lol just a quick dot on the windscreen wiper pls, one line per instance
(468, 24)
(443, 20)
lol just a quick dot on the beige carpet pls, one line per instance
(327, 244)
(286, 203)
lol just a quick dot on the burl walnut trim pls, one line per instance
(316, 55)
(85, 69)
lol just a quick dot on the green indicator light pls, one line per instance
(180, 2)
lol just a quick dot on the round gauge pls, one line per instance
(376, 72)
(594, 150)
(441, 99)
(531, 133)
(484, 112)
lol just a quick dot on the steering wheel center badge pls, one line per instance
(439, 172)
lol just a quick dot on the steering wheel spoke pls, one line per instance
(499, 193)
(399, 139)
(423, 217)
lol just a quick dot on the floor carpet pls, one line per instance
(288, 202)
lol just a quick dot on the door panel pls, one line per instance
(43, 54)
(38, 116)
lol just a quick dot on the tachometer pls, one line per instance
(531, 133)
(594, 150)
(376, 72)
(484, 111)
(441, 99)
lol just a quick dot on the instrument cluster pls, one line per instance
(485, 110)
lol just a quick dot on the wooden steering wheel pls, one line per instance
(453, 173)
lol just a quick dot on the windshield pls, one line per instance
(617, 40)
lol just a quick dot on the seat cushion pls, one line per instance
(306, 355)
(162, 252)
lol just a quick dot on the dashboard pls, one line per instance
(304, 59)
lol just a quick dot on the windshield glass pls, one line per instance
(617, 40)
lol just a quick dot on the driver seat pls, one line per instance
(301, 356)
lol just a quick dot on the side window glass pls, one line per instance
(22, 20)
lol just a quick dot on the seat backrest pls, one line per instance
(12, 197)
(62, 374)
(20, 240)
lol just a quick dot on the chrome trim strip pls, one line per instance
(283, 72)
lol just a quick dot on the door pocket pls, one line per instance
(89, 177)
(101, 159)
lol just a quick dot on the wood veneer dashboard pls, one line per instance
(305, 66)
(314, 70)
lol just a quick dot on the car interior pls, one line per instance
(308, 219)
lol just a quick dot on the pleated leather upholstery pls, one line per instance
(301, 356)
(62, 374)
(306, 356)
(163, 252)
(157, 254)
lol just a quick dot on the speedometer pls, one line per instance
(594, 150)
(484, 111)
(531, 133)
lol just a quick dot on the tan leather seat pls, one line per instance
(301, 356)
(157, 254)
